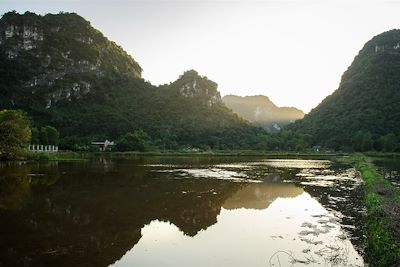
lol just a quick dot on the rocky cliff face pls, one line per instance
(63, 72)
(192, 85)
(50, 51)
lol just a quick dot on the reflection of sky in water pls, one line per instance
(251, 171)
(216, 212)
(270, 223)
(326, 178)
(212, 173)
(291, 230)
(295, 163)
(217, 173)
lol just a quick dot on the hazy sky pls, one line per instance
(292, 51)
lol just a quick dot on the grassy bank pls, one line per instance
(43, 156)
(224, 153)
(382, 202)
(59, 156)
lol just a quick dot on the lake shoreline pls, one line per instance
(70, 155)
(382, 201)
(84, 155)
(265, 210)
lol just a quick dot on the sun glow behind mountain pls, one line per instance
(292, 51)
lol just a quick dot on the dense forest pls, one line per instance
(363, 113)
(72, 81)
(64, 73)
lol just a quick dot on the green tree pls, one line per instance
(367, 143)
(135, 141)
(357, 141)
(15, 134)
(389, 142)
(43, 140)
(362, 141)
(53, 136)
(35, 136)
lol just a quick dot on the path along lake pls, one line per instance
(181, 211)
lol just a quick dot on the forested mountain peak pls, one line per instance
(66, 34)
(64, 73)
(364, 110)
(256, 99)
(191, 85)
(43, 55)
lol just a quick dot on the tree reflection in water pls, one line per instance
(91, 213)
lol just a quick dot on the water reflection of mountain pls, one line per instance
(336, 186)
(92, 214)
(339, 189)
(260, 196)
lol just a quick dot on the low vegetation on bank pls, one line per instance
(382, 228)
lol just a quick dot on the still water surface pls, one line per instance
(185, 211)
(390, 169)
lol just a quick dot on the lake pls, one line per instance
(181, 211)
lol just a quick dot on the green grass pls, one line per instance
(380, 244)
(59, 156)
(207, 153)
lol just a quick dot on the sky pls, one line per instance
(293, 51)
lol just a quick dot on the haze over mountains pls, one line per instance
(261, 111)
(64, 73)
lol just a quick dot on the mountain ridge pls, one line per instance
(64, 73)
(363, 112)
(261, 111)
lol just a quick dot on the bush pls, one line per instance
(135, 141)
(15, 134)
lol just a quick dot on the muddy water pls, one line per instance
(162, 211)
(390, 169)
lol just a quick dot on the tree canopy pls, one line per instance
(15, 134)
(364, 112)
(76, 80)
(47, 135)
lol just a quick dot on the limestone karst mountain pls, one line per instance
(63, 72)
(261, 111)
(364, 112)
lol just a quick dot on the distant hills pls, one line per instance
(261, 111)
(364, 112)
(65, 73)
